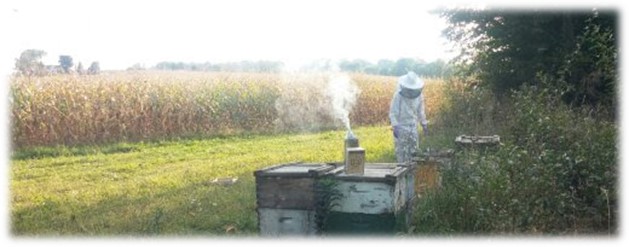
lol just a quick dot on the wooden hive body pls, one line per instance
(377, 202)
(286, 198)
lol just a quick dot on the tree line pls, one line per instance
(262, 66)
(29, 64)
(572, 49)
(398, 67)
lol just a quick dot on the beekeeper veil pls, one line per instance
(410, 85)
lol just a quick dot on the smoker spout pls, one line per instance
(350, 135)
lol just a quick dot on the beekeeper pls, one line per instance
(407, 109)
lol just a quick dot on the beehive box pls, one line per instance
(427, 176)
(465, 141)
(286, 198)
(428, 170)
(377, 202)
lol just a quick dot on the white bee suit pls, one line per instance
(405, 113)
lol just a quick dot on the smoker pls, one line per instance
(353, 155)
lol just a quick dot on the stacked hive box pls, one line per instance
(428, 170)
(466, 141)
(287, 199)
(377, 202)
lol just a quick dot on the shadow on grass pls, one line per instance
(51, 152)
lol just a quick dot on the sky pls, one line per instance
(119, 34)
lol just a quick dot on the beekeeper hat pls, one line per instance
(411, 81)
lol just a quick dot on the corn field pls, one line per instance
(133, 106)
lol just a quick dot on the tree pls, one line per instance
(30, 63)
(506, 49)
(357, 65)
(66, 63)
(403, 66)
(385, 67)
(590, 69)
(94, 68)
(80, 69)
(438, 68)
(137, 66)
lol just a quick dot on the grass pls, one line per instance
(542, 180)
(164, 187)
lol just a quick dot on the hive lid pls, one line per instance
(296, 169)
(486, 140)
(376, 172)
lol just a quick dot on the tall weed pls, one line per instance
(555, 172)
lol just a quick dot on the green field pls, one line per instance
(161, 187)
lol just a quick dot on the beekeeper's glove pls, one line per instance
(396, 131)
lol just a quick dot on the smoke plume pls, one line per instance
(314, 101)
(343, 95)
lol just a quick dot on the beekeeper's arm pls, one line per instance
(422, 114)
(394, 113)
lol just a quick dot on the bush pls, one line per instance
(573, 157)
(554, 174)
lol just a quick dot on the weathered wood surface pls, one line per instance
(384, 188)
(287, 193)
(441, 155)
(289, 186)
(295, 170)
(427, 176)
(373, 172)
(355, 163)
(404, 192)
(277, 222)
(365, 197)
(479, 141)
